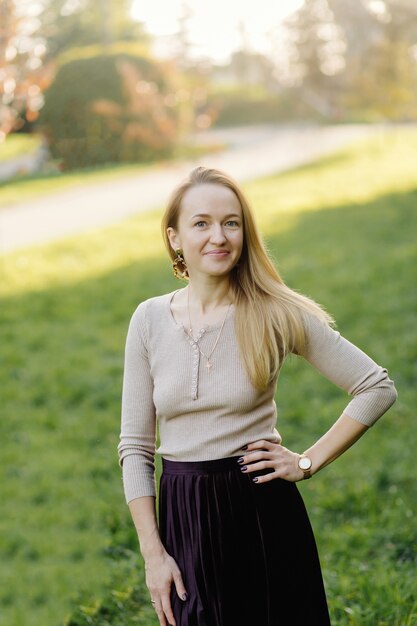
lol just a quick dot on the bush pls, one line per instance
(254, 105)
(112, 107)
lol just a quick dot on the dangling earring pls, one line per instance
(179, 265)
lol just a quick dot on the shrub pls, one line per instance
(111, 107)
(254, 105)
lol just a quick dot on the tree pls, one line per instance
(182, 38)
(381, 64)
(316, 55)
(21, 66)
(65, 24)
(356, 58)
(32, 35)
(253, 68)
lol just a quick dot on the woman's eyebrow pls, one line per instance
(207, 215)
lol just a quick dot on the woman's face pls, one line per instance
(209, 230)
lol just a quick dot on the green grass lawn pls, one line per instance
(342, 231)
(17, 145)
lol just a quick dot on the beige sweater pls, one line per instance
(204, 414)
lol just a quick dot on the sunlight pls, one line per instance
(215, 27)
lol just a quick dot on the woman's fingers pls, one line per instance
(255, 465)
(179, 585)
(166, 606)
(160, 576)
(256, 456)
(163, 610)
(181, 591)
(267, 477)
(261, 443)
(282, 460)
(160, 613)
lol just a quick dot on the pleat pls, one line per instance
(246, 552)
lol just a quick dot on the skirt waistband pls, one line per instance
(200, 467)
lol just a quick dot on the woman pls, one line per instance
(234, 544)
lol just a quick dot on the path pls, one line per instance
(252, 152)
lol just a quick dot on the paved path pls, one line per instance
(251, 153)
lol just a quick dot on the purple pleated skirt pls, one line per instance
(246, 551)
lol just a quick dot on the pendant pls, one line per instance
(209, 365)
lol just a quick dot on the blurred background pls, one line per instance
(105, 106)
(122, 81)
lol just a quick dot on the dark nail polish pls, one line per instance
(244, 468)
(244, 447)
(255, 480)
(240, 459)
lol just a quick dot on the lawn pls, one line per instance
(342, 231)
(17, 145)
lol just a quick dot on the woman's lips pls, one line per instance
(218, 253)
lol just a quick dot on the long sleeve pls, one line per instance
(136, 450)
(348, 367)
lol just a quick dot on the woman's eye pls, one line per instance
(232, 223)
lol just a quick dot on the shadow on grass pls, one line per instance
(62, 369)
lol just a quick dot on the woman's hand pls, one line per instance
(160, 571)
(266, 454)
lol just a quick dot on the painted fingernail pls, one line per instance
(244, 447)
(240, 459)
(244, 468)
(184, 596)
(255, 480)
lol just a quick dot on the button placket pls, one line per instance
(196, 361)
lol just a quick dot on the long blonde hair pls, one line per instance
(269, 316)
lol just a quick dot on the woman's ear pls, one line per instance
(173, 238)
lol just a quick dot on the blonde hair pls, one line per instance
(269, 316)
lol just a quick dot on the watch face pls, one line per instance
(304, 463)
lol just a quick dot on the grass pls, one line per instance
(18, 145)
(342, 231)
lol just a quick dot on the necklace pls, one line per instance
(209, 364)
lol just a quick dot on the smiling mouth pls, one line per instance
(217, 253)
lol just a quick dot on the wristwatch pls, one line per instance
(305, 463)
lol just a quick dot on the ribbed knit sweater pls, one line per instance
(209, 414)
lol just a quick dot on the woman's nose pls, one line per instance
(217, 234)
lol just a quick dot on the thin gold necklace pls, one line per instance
(209, 364)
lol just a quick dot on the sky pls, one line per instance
(213, 28)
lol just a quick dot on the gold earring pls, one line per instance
(179, 265)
